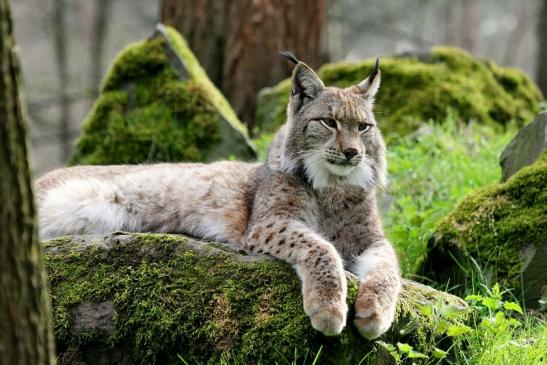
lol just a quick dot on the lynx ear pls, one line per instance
(306, 85)
(369, 86)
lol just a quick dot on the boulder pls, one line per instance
(156, 298)
(418, 87)
(499, 233)
(525, 148)
(157, 104)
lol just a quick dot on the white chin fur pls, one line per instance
(323, 174)
(339, 170)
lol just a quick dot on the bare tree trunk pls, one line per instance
(60, 39)
(98, 37)
(448, 22)
(542, 49)
(516, 37)
(237, 41)
(469, 25)
(25, 325)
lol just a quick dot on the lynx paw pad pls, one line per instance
(330, 319)
(373, 317)
(373, 326)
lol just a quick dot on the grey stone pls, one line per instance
(526, 147)
(93, 316)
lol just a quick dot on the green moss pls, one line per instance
(150, 110)
(213, 94)
(447, 80)
(171, 298)
(492, 226)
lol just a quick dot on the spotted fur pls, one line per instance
(312, 204)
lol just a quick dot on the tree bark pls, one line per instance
(469, 26)
(25, 331)
(60, 39)
(542, 49)
(98, 37)
(237, 41)
(516, 36)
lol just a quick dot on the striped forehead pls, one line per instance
(346, 106)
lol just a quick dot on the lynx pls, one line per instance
(312, 203)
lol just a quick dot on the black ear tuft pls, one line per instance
(375, 71)
(289, 56)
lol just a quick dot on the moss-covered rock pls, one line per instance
(525, 147)
(422, 87)
(157, 104)
(502, 230)
(147, 298)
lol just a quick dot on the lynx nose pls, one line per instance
(350, 152)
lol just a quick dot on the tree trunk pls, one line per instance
(60, 39)
(237, 41)
(542, 49)
(469, 26)
(25, 332)
(516, 37)
(98, 37)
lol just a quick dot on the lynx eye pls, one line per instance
(329, 123)
(363, 127)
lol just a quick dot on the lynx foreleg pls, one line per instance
(318, 264)
(379, 287)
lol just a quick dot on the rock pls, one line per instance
(148, 298)
(416, 88)
(157, 104)
(526, 147)
(503, 230)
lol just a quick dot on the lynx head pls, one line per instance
(332, 134)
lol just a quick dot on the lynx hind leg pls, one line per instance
(379, 289)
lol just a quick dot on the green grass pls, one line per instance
(428, 173)
(232, 358)
(499, 333)
(502, 332)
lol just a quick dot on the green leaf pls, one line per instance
(512, 306)
(473, 297)
(488, 322)
(438, 353)
(427, 310)
(513, 322)
(404, 347)
(450, 311)
(457, 330)
(442, 326)
(496, 290)
(416, 355)
(389, 347)
(391, 350)
(491, 303)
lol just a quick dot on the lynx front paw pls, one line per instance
(328, 318)
(374, 311)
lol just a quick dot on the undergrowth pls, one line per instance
(428, 172)
(499, 333)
